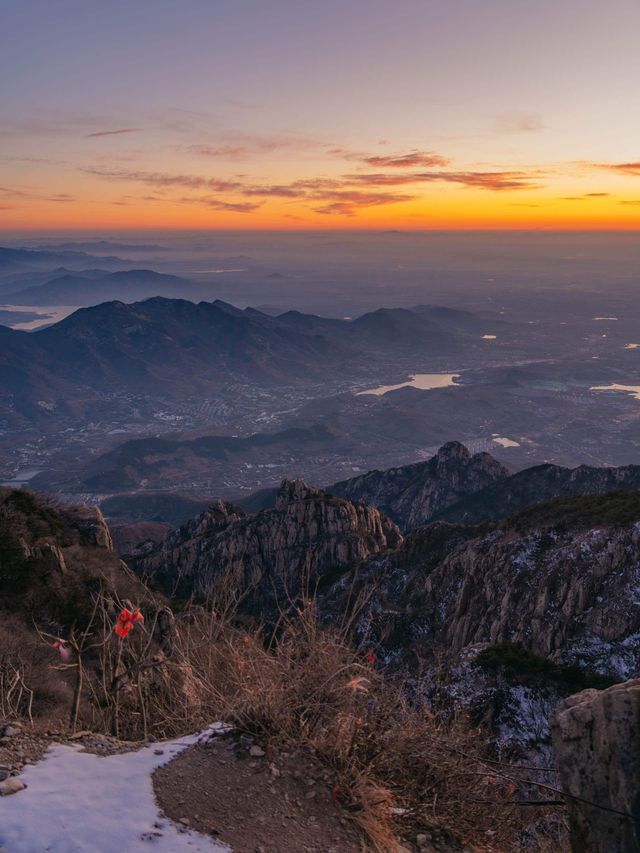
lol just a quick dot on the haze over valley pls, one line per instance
(160, 383)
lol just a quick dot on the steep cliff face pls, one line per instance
(275, 555)
(413, 494)
(555, 580)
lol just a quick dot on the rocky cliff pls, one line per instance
(459, 487)
(62, 592)
(562, 578)
(536, 485)
(53, 558)
(413, 494)
(274, 556)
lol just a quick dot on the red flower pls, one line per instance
(126, 620)
(62, 647)
(371, 658)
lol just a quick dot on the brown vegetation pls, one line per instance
(397, 766)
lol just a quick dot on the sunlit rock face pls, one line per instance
(275, 555)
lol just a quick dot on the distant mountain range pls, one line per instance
(102, 246)
(25, 260)
(175, 350)
(95, 286)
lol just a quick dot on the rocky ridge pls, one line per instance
(569, 590)
(274, 556)
(414, 494)
(460, 487)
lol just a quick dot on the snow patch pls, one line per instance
(77, 802)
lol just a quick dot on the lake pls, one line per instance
(614, 386)
(22, 477)
(47, 315)
(421, 381)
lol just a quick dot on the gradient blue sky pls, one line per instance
(238, 98)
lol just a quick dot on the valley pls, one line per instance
(171, 395)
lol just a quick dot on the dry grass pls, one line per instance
(397, 766)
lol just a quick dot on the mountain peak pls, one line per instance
(453, 450)
(293, 491)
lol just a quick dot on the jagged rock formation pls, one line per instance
(535, 485)
(413, 494)
(276, 555)
(552, 578)
(91, 524)
(459, 487)
(596, 738)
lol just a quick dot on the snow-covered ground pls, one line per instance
(77, 802)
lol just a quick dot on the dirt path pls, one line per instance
(253, 802)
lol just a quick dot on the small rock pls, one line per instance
(158, 751)
(256, 751)
(11, 731)
(11, 786)
(184, 821)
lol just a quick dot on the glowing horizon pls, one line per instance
(424, 116)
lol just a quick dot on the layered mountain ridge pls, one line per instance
(274, 557)
(176, 350)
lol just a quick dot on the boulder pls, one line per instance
(596, 739)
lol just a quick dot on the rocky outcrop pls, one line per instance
(596, 738)
(62, 590)
(54, 558)
(536, 485)
(564, 587)
(413, 494)
(273, 557)
(91, 525)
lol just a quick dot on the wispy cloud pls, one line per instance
(632, 168)
(343, 195)
(340, 195)
(164, 179)
(118, 132)
(60, 197)
(406, 161)
(497, 181)
(221, 152)
(516, 121)
(348, 203)
(244, 146)
(231, 206)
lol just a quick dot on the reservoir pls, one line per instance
(421, 381)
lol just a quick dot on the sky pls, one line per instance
(287, 114)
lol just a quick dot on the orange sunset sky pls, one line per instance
(283, 115)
